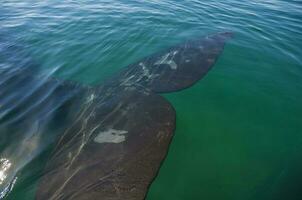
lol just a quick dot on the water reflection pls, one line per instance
(5, 164)
(5, 184)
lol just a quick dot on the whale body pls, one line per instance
(111, 139)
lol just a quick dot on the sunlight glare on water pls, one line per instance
(5, 165)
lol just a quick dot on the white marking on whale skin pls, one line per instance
(135, 78)
(146, 71)
(111, 136)
(128, 81)
(164, 60)
(171, 63)
(91, 98)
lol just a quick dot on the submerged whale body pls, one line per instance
(111, 139)
(115, 149)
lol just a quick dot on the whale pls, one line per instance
(110, 139)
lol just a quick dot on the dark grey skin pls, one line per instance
(84, 168)
(111, 139)
(142, 122)
(176, 68)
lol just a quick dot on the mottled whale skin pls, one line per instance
(110, 140)
(119, 166)
(175, 68)
(114, 150)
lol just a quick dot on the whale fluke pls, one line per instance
(115, 148)
(176, 68)
(114, 151)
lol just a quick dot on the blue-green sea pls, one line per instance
(238, 130)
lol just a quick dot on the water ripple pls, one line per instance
(88, 41)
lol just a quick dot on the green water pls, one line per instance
(239, 130)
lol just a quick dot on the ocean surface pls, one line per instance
(239, 130)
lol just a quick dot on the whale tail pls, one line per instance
(111, 139)
(114, 150)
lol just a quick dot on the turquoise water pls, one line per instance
(239, 130)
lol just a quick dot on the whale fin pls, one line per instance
(113, 151)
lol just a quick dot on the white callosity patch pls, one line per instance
(111, 136)
(168, 59)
